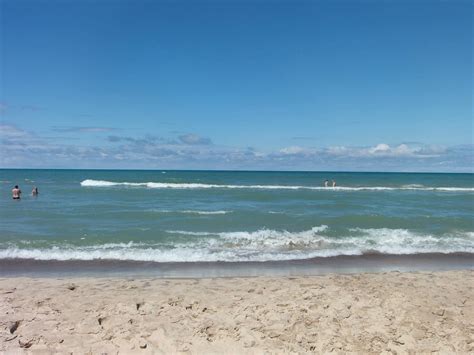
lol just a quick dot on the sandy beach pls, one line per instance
(368, 313)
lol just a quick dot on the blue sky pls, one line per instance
(280, 85)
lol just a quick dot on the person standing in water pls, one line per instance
(333, 183)
(326, 183)
(35, 191)
(16, 193)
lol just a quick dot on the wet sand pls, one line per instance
(305, 267)
(365, 312)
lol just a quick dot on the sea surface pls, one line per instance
(228, 216)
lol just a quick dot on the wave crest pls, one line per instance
(198, 212)
(166, 185)
(260, 245)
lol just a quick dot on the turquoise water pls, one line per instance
(168, 216)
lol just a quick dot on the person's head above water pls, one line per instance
(16, 186)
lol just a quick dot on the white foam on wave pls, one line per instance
(403, 241)
(260, 245)
(192, 212)
(261, 237)
(166, 185)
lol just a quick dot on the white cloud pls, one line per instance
(20, 148)
(194, 139)
(10, 131)
(385, 150)
(293, 150)
(337, 150)
(298, 151)
(380, 148)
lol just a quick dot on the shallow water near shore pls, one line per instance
(354, 264)
(236, 217)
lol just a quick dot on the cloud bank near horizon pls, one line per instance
(24, 149)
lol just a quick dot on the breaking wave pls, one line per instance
(192, 212)
(260, 245)
(167, 185)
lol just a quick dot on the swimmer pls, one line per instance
(333, 183)
(326, 183)
(16, 193)
(35, 191)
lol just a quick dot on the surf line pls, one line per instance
(163, 185)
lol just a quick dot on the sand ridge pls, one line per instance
(367, 313)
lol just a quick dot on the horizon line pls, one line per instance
(251, 170)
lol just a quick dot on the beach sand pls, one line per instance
(367, 313)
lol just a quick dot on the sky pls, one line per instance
(252, 85)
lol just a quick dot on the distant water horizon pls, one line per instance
(251, 170)
(234, 216)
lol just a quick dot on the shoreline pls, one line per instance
(370, 263)
(364, 313)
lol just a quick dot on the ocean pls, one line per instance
(232, 216)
